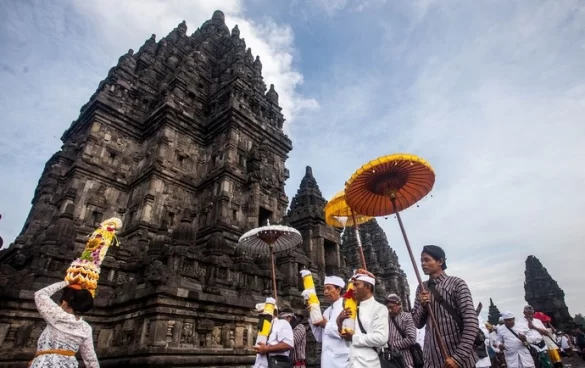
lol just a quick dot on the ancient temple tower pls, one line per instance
(184, 142)
(544, 294)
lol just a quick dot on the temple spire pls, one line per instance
(544, 293)
(493, 313)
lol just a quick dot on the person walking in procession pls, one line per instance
(279, 344)
(334, 349)
(402, 333)
(485, 361)
(513, 339)
(450, 300)
(539, 348)
(300, 339)
(371, 333)
(66, 332)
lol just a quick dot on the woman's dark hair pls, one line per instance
(80, 301)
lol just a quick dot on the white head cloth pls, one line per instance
(334, 280)
(507, 315)
(365, 278)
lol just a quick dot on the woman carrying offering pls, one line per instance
(66, 333)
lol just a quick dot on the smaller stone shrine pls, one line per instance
(545, 295)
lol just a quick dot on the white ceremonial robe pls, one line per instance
(494, 341)
(374, 318)
(484, 362)
(334, 349)
(281, 332)
(516, 353)
(535, 336)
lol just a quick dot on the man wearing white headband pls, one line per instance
(513, 339)
(371, 333)
(334, 351)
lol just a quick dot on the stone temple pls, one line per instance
(184, 142)
(545, 295)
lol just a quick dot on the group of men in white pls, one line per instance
(385, 334)
(523, 339)
(339, 349)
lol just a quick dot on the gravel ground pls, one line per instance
(575, 362)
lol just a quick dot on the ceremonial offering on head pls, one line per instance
(84, 272)
(310, 297)
(265, 319)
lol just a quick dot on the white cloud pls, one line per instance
(54, 56)
(493, 98)
(122, 26)
(334, 7)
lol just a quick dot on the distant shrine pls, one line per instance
(545, 295)
(184, 142)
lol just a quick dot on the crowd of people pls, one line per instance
(385, 335)
(531, 341)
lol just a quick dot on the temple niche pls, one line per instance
(544, 294)
(183, 141)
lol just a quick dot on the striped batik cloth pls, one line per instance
(459, 342)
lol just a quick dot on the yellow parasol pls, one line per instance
(388, 185)
(339, 214)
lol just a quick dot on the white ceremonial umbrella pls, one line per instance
(270, 239)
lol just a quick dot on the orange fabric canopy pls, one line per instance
(407, 178)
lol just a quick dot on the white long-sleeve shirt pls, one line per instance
(281, 332)
(484, 362)
(374, 319)
(535, 336)
(516, 353)
(335, 350)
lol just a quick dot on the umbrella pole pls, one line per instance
(359, 240)
(273, 273)
(420, 282)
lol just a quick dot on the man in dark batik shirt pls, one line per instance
(450, 296)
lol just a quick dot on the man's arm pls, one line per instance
(470, 323)
(318, 330)
(408, 329)
(538, 326)
(419, 313)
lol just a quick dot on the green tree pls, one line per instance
(493, 313)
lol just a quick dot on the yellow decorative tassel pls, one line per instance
(310, 296)
(349, 302)
(265, 321)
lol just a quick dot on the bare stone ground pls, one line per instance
(574, 362)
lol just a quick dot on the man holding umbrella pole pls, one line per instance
(451, 303)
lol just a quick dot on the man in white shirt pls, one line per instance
(485, 361)
(334, 351)
(279, 344)
(371, 333)
(513, 339)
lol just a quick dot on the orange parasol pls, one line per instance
(339, 214)
(388, 185)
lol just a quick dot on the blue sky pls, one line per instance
(491, 93)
